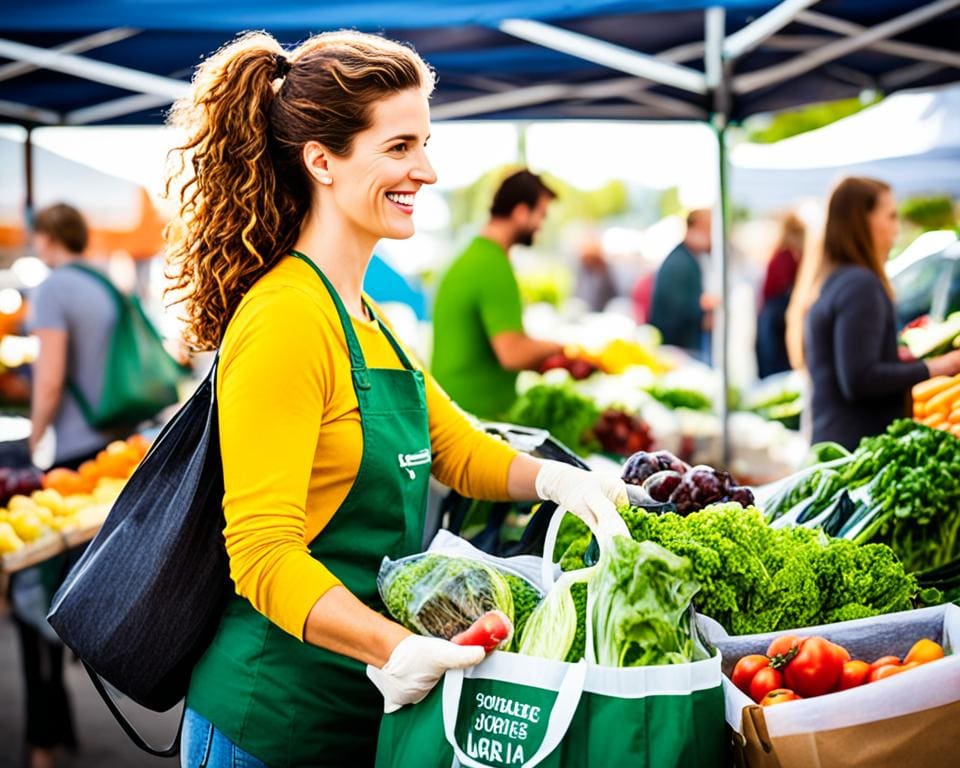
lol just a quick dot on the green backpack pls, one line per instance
(141, 378)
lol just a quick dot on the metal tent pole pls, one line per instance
(718, 85)
(28, 180)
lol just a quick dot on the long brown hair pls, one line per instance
(243, 188)
(847, 240)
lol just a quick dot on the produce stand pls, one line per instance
(46, 548)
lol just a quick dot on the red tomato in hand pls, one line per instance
(747, 669)
(884, 661)
(782, 645)
(816, 668)
(855, 673)
(779, 696)
(766, 680)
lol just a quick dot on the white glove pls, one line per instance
(591, 496)
(415, 666)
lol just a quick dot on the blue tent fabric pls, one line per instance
(462, 41)
(384, 284)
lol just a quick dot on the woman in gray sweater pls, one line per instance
(841, 323)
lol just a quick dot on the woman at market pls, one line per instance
(841, 321)
(775, 298)
(296, 164)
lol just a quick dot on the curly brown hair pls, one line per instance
(243, 188)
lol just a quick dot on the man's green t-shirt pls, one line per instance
(478, 298)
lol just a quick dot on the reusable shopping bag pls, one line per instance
(910, 720)
(143, 603)
(141, 378)
(519, 710)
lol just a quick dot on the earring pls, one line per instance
(326, 180)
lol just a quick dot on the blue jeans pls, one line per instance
(202, 745)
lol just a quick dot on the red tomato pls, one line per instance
(747, 669)
(884, 671)
(854, 673)
(816, 668)
(884, 661)
(782, 645)
(779, 696)
(842, 652)
(766, 680)
(490, 631)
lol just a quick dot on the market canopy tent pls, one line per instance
(911, 140)
(105, 61)
(125, 61)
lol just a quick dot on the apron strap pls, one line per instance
(358, 364)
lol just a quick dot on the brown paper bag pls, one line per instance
(906, 721)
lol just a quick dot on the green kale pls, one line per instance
(578, 648)
(567, 415)
(526, 597)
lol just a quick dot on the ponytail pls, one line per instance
(243, 188)
(235, 220)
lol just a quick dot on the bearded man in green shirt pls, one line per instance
(479, 342)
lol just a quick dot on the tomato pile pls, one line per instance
(802, 667)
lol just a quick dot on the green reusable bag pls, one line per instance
(514, 710)
(520, 710)
(141, 378)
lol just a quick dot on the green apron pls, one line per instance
(290, 703)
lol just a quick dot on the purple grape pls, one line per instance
(742, 496)
(660, 485)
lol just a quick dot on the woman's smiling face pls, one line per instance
(375, 185)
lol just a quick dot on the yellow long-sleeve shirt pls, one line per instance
(291, 440)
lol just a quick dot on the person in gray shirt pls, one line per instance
(73, 316)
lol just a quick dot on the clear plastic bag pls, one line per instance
(441, 595)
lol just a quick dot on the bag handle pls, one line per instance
(171, 750)
(604, 533)
(564, 708)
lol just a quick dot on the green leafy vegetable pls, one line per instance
(641, 596)
(755, 578)
(441, 596)
(681, 398)
(567, 415)
(901, 488)
(525, 600)
(551, 630)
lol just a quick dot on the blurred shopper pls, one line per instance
(781, 274)
(642, 295)
(73, 316)
(680, 309)
(841, 325)
(329, 432)
(594, 283)
(479, 342)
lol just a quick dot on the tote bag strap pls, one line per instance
(564, 708)
(171, 750)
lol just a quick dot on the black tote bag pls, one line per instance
(143, 603)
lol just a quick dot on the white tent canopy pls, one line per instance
(911, 140)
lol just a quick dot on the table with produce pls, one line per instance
(824, 602)
(46, 513)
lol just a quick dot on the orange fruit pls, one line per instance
(923, 651)
(139, 443)
(65, 481)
